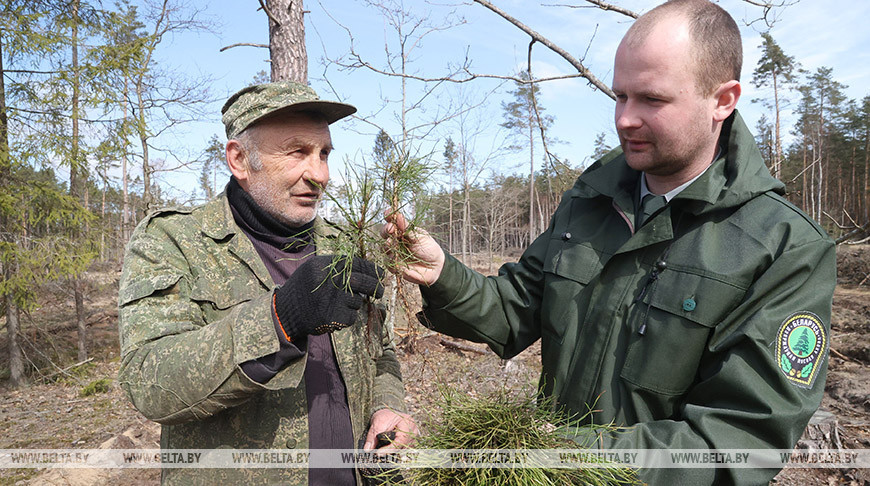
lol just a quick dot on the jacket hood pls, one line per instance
(733, 179)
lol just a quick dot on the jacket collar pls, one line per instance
(216, 221)
(733, 179)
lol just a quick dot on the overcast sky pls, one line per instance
(816, 32)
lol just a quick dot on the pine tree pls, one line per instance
(521, 117)
(37, 215)
(803, 344)
(774, 68)
(214, 164)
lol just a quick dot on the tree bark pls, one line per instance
(125, 210)
(76, 179)
(777, 163)
(287, 40)
(16, 361)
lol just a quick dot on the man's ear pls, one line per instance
(237, 161)
(725, 99)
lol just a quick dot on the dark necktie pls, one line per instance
(650, 205)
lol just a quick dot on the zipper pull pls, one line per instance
(660, 267)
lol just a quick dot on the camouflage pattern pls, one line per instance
(256, 102)
(195, 303)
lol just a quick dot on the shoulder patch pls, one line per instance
(801, 348)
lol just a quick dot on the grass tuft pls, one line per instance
(506, 420)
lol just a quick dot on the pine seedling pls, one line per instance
(391, 184)
(507, 420)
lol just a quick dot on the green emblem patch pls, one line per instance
(801, 345)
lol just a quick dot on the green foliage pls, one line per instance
(806, 370)
(95, 387)
(785, 364)
(773, 64)
(391, 183)
(503, 420)
(600, 146)
(213, 165)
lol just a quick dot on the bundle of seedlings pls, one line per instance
(392, 183)
(506, 420)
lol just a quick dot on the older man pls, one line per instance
(701, 322)
(235, 333)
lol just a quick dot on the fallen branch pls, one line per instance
(461, 347)
(844, 357)
(857, 231)
(64, 371)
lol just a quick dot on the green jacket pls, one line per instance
(744, 267)
(195, 302)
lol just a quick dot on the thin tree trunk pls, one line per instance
(125, 210)
(867, 177)
(76, 183)
(147, 198)
(103, 225)
(531, 182)
(777, 164)
(804, 192)
(13, 327)
(287, 40)
(16, 363)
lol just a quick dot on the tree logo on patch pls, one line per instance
(800, 348)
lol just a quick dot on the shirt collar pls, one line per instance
(644, 190)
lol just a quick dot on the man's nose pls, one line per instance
(627, 116)
(316, 170)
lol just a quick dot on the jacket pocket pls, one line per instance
(215, 300)
(679, 314)
(568, 270)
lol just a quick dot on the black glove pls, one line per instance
(320, 298)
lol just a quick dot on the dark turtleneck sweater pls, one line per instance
(283, 249)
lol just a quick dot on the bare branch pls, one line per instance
(470, 76)
(768, 9)
(601, 5)
(584, 72)
(240, 44)
(614, 8)
(550, 156)
(268, 12)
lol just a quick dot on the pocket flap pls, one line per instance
(700, 299)
(223, 297)
(573, 261)
(133, 291)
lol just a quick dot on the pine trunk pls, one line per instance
(13, 327)
(76, 182)
(287, 40)
(777, 161)
(125, 209)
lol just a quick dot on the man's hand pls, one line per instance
(429, 255)
(386, 420)
(316, 299)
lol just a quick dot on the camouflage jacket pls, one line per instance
(195, 303)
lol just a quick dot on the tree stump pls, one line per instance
(821, 433)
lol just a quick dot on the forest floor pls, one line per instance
(54, 412)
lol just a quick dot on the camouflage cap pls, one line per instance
(256, 102)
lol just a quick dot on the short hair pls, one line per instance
(717, 49)
(249, 141)
(249, 145)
